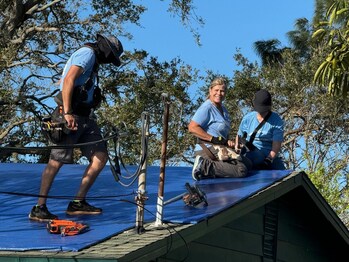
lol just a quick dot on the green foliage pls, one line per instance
(333, 186)
(316, 126)
(333, 70)
(269, 51)
(38, 37)
(139, 90)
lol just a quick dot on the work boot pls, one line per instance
(81, 207)
(41, 213)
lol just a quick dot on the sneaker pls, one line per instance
(82, 208)
(41, 213)
(196, 173)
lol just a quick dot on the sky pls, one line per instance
(229, 24)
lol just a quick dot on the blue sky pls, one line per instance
(229, 24)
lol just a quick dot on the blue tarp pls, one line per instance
(18, 233)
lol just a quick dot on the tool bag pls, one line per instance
(54, 126)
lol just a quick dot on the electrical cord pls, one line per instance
(114, 164)
(144, 143)
(50, 147)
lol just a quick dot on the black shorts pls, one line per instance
(88, 131)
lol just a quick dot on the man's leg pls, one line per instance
(257, 158)
(40, 212)
(234, 168)
(97, 163)
(215, 169)
(278, 164)
(47, 178)
(79, 206)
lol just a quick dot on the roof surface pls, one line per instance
(115, 232)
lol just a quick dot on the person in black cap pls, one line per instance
(262, 132)
(77, 100)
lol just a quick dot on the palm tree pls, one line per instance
(269, 52)
(300, 38)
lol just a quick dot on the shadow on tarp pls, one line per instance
(18, 233)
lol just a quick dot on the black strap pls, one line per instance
(84, 109)
(249, 143)
(95, 67)
(208, 151)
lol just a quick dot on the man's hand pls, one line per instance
(219, 140)
(71, 123)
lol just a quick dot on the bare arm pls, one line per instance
(237, 145)
(275, 149)
(195, 129)
(67, 94)
(68, 86)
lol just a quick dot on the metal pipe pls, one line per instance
(174, 199)
(160, 201)
(141, 196)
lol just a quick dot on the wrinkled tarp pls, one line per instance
(19, 186)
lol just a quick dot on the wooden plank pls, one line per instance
(251, 222)
(293, 252)
(200, 252)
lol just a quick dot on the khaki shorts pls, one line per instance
(88, 131)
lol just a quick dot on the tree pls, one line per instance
(320, 10)
(316, 130)
(140, 89)
(300, 38)
(333, 71)
(269, 51)
(316, 133)
(38, 36)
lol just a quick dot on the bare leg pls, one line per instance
(98, 161)
(47, 177)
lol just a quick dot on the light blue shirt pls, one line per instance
(212, 120)
(272, 130)
(85, 58)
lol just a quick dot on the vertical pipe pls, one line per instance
(160, 201)
(141, 196)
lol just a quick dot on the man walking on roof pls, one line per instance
(80, 95)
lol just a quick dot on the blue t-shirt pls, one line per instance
(272, 130)
(212, 120)
(85, 58)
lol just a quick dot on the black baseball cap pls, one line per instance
(262, 101)
(115, 46)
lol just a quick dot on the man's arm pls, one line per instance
(275, 149)
(67, 94)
